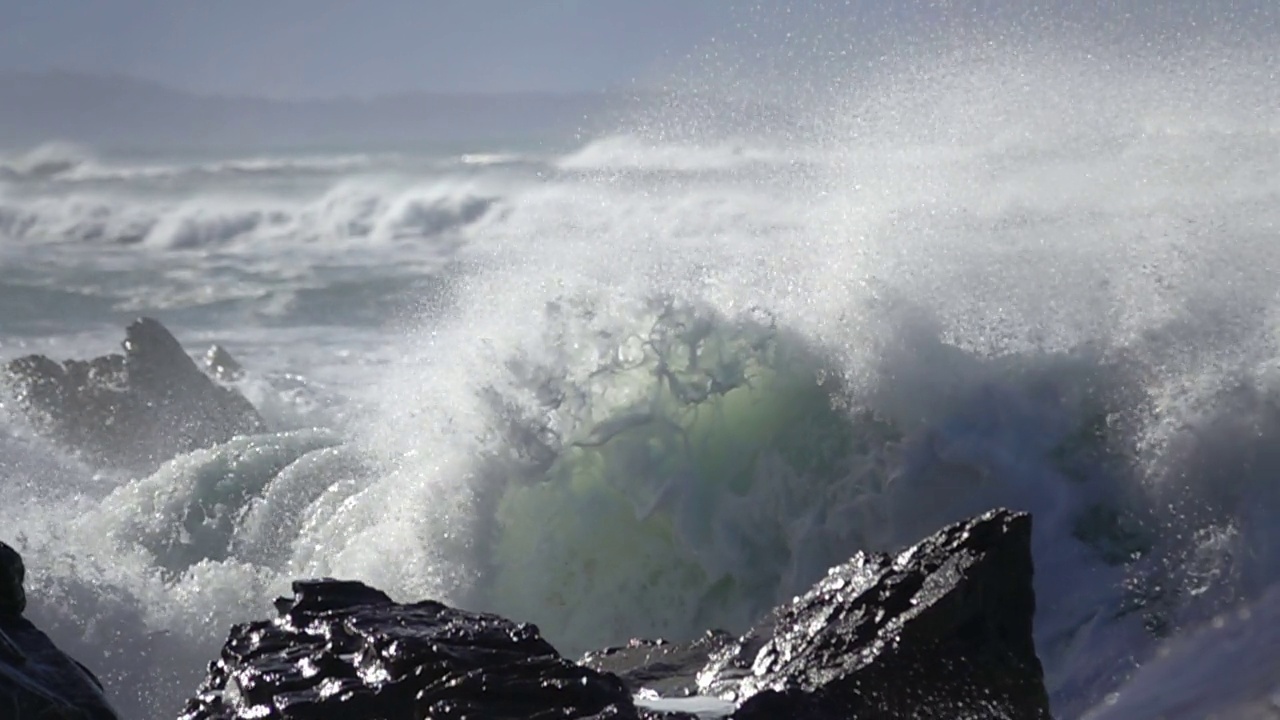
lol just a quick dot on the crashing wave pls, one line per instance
(704, 466)
(677, 467)
(633, 153)
(45, 162)
(348, 212)
(67, 165)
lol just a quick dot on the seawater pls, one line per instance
(660, 381)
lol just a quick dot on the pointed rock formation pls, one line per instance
(133, 411)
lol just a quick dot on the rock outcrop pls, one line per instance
(342, 649)
(37, 680)
(135, 410)
(13, 596)
(941, 630)
(219, 363)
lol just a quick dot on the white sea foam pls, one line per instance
(348, 212)
(1039, 278)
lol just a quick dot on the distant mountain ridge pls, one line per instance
(122, 112)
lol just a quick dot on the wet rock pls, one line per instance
(37, 680)
(219, 363)
(135, 410)
(941, 630)
(342, 649)
(13, 597)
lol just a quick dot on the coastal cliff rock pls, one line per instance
(942, 629)
(37, 680)
(132, 411)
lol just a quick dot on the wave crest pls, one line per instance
(45, 162)
(349, 212)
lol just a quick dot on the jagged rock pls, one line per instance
(942, 630)
(135, 410)
(342, 649)
(37, 680)
(221, 365)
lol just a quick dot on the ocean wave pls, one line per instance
(48, 161)
(60, 167)
(350, 211)
(663, 466)
(635, 153)
(64, 165)
(231, 169)
(655, 407)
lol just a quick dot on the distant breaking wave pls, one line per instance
(348, 212)
(45, 162)
(266, 166)
(63, 163)
(60, 166)
(622, 153)
(65, 196)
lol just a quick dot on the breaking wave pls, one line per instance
(664, 400)
(66, 165)
(48, 161)
(350, 211)
(630, 153)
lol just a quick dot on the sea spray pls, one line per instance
(1027, 273)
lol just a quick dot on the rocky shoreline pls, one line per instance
(942, 629)
(939, 630)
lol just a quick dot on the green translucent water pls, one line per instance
(640, 523)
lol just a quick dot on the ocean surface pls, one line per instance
(658, 378)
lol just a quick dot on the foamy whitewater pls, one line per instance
(661, 381)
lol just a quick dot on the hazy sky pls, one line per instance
(310, 48)
(328, 47)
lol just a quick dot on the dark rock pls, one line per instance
(342, 649)
(37, 680)
(669, 669)
(13, 598)
(219, 363)
(942, 630)
(135, 410)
